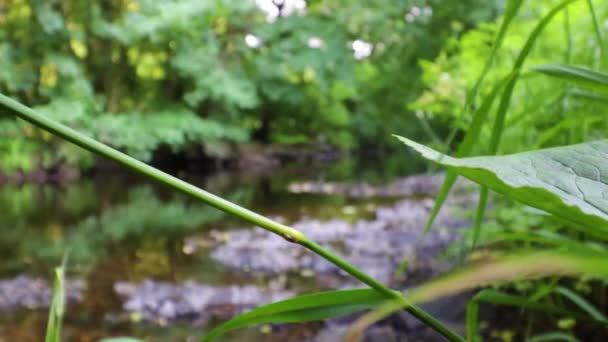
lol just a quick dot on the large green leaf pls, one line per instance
(569, 182)
(579, 75)
(306, 308)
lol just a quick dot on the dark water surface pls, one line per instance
(115, 227)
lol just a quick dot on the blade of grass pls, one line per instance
(290, 234)
(479, 212)
(512, 8)
(306, 308)
(554, 336)
(479, 118)
(587, 95)
(519, 266)
(579, 75)
(581, 303)
(499, 298)
(507, 94)
(472, 320)
(355, 332)
(57, 309)
(598, 33)
(510, 268)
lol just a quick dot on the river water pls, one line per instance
(117, 232)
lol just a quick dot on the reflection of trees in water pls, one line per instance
(43, 223)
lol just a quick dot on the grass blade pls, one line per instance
(504, 299)
(306, 308)
(578, 75)
(472, 319)
(554, 336)
(519, 266)
(479, 118)
(507, 94)
(598, 33)
(355, 332)
(511, 268)
(57, 309)
(587, 95)
(581, 303)
(513, 7)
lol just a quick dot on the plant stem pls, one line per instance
(286, 232)
(376, 285)
(598, 33)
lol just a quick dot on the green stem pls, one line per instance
(598, 32)
(376, 285)
(288, 233)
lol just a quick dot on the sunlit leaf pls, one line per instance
(569, 182)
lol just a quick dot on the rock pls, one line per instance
(166, 302)
(27, 292)
(408, 186)
(377, 246)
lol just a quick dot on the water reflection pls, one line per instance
(114, 227)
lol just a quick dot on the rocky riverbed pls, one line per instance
(265, 268)
(376, 245)
(27, 292)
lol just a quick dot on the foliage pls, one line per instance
(184, 70)
(566, 182)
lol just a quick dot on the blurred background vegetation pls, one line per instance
(201, 77)
(212, 82)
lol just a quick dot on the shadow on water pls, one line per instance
(116, 228)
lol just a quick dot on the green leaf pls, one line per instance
(587, 95)
(569, 182)
(554, 336)
(598, 32)
(581, 303)
(305, 308)
(53, 329)
(578, 75)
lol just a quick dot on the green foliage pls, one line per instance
(182, 69)
(305, 308)
(564, 181)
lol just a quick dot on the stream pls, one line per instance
(146, 262)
